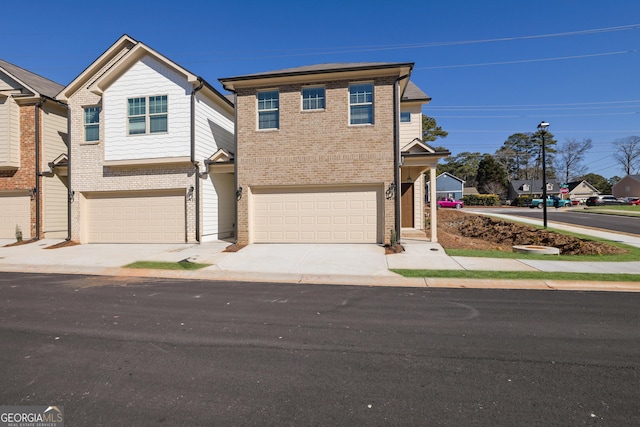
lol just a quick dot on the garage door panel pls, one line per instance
(315, 216)
(15, 211)
(136, 218)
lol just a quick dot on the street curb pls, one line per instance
(340, 280)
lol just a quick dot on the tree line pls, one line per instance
(520, 158)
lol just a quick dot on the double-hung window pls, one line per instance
(147, 115)
(268, 110)
(361, 104)
(91, 124)
(312, 98)
(405, 117)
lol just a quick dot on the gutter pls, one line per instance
(396, 149)
(195, 164)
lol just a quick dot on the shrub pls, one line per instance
(481, 200)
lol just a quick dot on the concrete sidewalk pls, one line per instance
(356, 264)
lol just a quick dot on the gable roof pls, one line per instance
(572, 185)
(125, 52)
(33, 82)
(462, 181)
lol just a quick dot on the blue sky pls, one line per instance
(492, 67)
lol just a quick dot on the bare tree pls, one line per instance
(569, 157)
(627, 153)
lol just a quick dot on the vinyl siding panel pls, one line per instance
(412, 130)
(214, 130)
(147, 77)
(54, 188)
(9, 133)
(219, 214)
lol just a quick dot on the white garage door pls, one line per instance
(306, 216)
(136, 217)
(15, 210)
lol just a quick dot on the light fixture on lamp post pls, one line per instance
(542, 127)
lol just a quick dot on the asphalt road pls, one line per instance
(144, 352)
(617, 223)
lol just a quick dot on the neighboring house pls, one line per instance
(580, 190)
(144, 132)
(629, 186)
(531, 188)
(330, 153)
(447, 185)
(33, 155)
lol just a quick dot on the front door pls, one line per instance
(406, 205)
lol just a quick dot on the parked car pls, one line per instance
(450, 203)
(604, 200)
(552, 201)
(634, 201)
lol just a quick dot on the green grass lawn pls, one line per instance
(519, 275)
(627, 210)
(161, 265)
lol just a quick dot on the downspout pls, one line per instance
(38, 109)
(69, 191)
(195, 164)
(396, 149)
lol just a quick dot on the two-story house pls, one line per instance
(143, 132)
(33, 151)
(329, 153)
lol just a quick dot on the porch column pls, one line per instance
(434, 205)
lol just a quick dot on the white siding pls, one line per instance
(214, 130)
(147, 77)
(412, 130)
(218, 207)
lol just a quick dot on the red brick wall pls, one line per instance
(23, 179)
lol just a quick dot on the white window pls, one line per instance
(268, 110)
(361, 104)
(313, 98)
(143, 120)
(92, 124)
(549, 186)
(405, 117)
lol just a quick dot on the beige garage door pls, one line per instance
(308, 216)
(135, 217)
(15, 210)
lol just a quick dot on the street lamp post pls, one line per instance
(542, 127)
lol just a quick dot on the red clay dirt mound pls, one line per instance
(460, 230)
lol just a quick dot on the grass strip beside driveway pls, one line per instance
(519, 275)
(164, 265)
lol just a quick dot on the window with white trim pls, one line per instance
(312, 98)
(91, 124)
(269, 110)
(142, 120)
(361, 104)
(405, 117)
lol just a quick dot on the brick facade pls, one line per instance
(313, 148)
